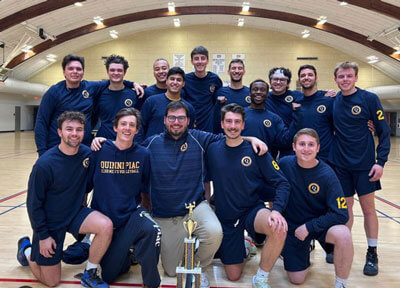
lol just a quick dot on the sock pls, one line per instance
(372, 242)
(27, 252)
(90, 266)
(340, 283)
(87, 239)
(262, 273)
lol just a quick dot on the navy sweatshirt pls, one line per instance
(316, 112)
(177, 171)
(118, 177)
(153, 112)
(237, 174)
(239, 96)
(200, 93)
(353, 145)
(58, 99)
(316, 198)
(108, 104)
(56, 189)
(153, 90)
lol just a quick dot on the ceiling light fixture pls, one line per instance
(177, 22)
(114, 34)
(343, 3)
(98, 20)
(171, 7)
(240, 22)
(305, 33)
(245, 6)
(322, 20)
(51, 57)
(78, 4)
(26, 48)
(372, 59)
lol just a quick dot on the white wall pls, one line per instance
(7, 110)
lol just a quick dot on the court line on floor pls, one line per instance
(15, 207)
(387, 202)
(384, 214)
(12, 196)
(79, 283)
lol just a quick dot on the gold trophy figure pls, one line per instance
(188, 268)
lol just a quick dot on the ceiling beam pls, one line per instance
(34, 11)
(205, 10)
(378, 6)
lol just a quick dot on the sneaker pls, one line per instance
(205, 283)
(371, 264)
(92, 280)
(132, 256)
(260, 282)
(329, 258)
(312, 245)
(251, 249)
(23, 243)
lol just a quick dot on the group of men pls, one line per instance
(149, 165)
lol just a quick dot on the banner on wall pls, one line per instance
(178, 60)
(239, 56)
(218, 63)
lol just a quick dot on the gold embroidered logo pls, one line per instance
(86, 162)
(248, 99)
(184, 147)
(289, 98)
(212, 88)
(246, 161)
(321, 108)
(355, 110)
(128, 102)
(313, 188)
(85, 94)
(267, 123)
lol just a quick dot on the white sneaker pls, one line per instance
(205, 283)
(260, 282)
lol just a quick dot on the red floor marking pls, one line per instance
(12, 196)
(388, 202)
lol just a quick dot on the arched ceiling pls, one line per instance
(361, 29)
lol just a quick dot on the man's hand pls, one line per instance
(222, 99)
(258, 146)
(376, 172)
(330, 93)
(277, 222)
(301, 232)
(139, 90)
(371, 126)
(97, 143)
(295, 106)
(47, 247)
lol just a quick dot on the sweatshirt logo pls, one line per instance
(212, 88)
(246, 161)
(128, 102)
(184, 147)
(86, 162)
(355, 110)
(267, 123)
(313, 188)
(85, 94)
(289, 99)
(248, 99)
(321, 108)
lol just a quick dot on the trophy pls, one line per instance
(187, 266)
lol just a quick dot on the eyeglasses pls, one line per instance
(172, 119)
(279, 80)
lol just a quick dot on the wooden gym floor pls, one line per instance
(17, 155)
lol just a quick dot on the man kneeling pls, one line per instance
(316, 210)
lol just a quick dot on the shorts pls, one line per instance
(296, 253)
(356, 181)
(59, 237)
(232, 249)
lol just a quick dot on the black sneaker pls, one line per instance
(329, 258)
(22, 244)
(92, 280)
(371, 264)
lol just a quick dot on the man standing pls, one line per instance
(200, 88)
(316, 209)
(56, 191)
(353, 151)
(236, 92)
(160, 70)
(237, 172)
(71, 94)
(115, 97)
(121, 172)
(154, 107)
(280, 99)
